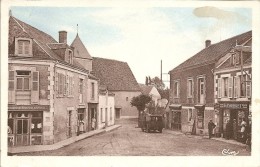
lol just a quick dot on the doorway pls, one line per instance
(22, 132)
(176, 120)
(69, 124)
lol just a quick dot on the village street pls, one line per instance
(131, 141)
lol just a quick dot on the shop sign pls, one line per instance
(234, 105)
(29, 107)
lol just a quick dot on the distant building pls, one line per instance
(233, 89)
(106, 114)
(191, 103)
(50, 91)
(119, 79)
(150, 91)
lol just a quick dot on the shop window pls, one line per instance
(190, 88)
(176, 88)
(23, 80)
(36, 123)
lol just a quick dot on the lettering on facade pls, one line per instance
(233, 105)
(29, 107)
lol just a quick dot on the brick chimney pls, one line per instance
(63, 37)
(207, 43)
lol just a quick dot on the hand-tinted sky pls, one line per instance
(140, 36)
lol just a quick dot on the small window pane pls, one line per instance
(10, 126)
(36, 126)
(19, 83)
(26, 84)
(25, 126)
(19, 127)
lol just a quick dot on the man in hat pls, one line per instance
(211, 126)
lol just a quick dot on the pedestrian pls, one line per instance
(243, 133)
(228, 130)
(81, 126)
(211, 126)
(93, 123)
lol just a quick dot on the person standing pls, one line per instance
(211, 126)
(228, 130)
(93, 123)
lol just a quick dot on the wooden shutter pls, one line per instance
(11, 87)
(238, 86)
(235, 87)
(219, 88)
(35, 87)
(230, 87)
(248, 87)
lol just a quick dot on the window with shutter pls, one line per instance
(230, 87)
(11, 89)
(235, 87)
(238, 86)
(248, 87)
(35, 87)
(219, 88)
(23, 47)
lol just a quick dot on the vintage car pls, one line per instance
(151, 122)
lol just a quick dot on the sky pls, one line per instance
(142, 37)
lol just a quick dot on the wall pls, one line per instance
(183, 76)
(62, 106)
(127, 110)
(89, 91)
(106, 101)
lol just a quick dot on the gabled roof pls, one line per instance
(145, 89)
(80, 50)
(116, 75)
(42, 39)
(213, 52)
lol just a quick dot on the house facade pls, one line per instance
(233, 89)
(106, 112)
(49, 93)
(191, 103)
(151, 91)
(120, 81)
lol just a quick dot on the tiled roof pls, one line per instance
(80, 50)
(116, 75)
(145, 89)
(45, 41)
(213, 52)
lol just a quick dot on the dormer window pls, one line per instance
(23, 47)
(70, 57)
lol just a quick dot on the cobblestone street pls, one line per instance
(129, 140)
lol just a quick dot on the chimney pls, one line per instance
(63, 37)
(207, 43)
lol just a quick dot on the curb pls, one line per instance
(36, 148)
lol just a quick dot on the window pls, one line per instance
(201, 90)
(248, 88)
(176, 88)
(236, 79)
(92, 90)
(101, 114)
(23, 47)
(230, 87)
(225, 87)
(80, 114)
(81, 86)
(69, 85)
(190, 88)
(36, 124)
(219, 88)
(11, 81)
(126, 98)
(190, 114)
(242, 85)
(23, 80)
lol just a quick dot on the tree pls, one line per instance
(160, 86)
(140, 102)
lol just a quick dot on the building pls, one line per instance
(106, 112)
(119, 79)
(150, 91)
(191, 103)
(233, 89)
(49, 90)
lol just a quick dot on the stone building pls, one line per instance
(49, 90)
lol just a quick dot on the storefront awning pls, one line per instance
(175, 106)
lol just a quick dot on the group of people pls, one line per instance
(243, 135)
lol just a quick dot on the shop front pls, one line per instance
(25, 124)
(234, 113)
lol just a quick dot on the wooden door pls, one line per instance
(22, 132)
